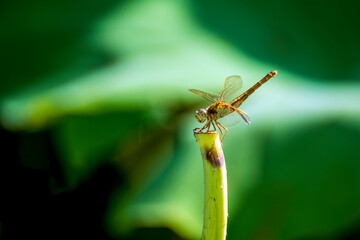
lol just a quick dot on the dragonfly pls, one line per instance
(220, 109)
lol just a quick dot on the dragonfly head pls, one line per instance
(201, 115)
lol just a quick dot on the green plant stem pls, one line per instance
(216, 199)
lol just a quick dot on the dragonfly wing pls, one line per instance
(232, 85)
(212, 97)
(234, 118)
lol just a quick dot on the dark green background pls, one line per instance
(96, 119)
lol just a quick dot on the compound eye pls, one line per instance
(201, 115)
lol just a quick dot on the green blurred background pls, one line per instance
(96, 118)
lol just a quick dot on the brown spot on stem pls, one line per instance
(215, 158)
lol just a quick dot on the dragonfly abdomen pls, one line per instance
(239, 100)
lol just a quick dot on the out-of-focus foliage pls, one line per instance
(106, 81)
(312, 38)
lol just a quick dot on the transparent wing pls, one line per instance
(234, 118)
(232, 85)
(212, 97)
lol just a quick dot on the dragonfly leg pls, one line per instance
(201, 129)
(208, 126)
(226, 130)
(204, 127)
(219, 129)
(222, 133)
(213, 126)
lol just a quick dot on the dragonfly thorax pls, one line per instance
(201, 115)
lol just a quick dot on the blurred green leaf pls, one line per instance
(42, 39)
(312, 39)
(85, 142)
(173, 199)
(307, 186)
(148, 77)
